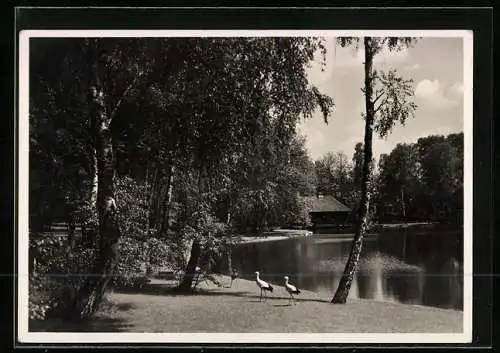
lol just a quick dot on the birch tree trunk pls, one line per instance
(167, 203)
(91, 237)
(342, 293)
(90, 295)
(95, 181)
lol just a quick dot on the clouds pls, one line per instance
(433, 94)
(412, 67)
(436, 65)
(353, 57)
(457, 89)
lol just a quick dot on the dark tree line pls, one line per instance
(416, 182)
(422, 181)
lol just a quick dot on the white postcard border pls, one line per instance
(24, 336)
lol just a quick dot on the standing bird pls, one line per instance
(264, 286)
(234, 276)
(291, 289)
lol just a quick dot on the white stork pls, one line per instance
(291, 289)
(264, 286)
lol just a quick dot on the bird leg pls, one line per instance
(260, 295)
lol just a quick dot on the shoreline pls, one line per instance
(381, 229)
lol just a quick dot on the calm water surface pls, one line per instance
(389, 270)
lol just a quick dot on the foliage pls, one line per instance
(272, 179)
(43, 293)
(398, 182)
(422, 181)
(60, 143)
(338, 177)
(200, 224)
(394, 97)
(131, 198)
(395, 101)
(333, 171)
(57, 276)
(136, 256)
(221, 120)
(442, 175)
(131, 268)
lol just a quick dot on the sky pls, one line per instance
(434, 64)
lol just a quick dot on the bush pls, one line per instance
(212, 234)
(60, 274)
(57, 276)
(133, 207)
(161, 253)
(136, 256)
(132, 262)
(40, 297)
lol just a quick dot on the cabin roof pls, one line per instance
(327, 203)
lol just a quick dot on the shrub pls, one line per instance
(40, 302)
(212, 234)
(136, 256)
(132, 262)
(133, 207)
(161, 253)
(57, 276)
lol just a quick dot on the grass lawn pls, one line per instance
(158, 308)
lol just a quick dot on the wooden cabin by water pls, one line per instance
(329, 215)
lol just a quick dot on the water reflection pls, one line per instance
(316, 263)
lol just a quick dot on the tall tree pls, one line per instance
(357, 176)
(93, 82)
(357, 160)
(193, 117)
(59, 136)
(104, 59)
(399, 181)
(440, 163)
(388, 99)
(333, 173)
(245, 97)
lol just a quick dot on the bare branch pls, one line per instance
(384, 102)
(125, 93)
(381, 93)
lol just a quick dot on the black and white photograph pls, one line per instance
(245, 186)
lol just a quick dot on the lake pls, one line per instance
(409, 267)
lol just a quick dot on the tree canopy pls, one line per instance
(200, 133)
